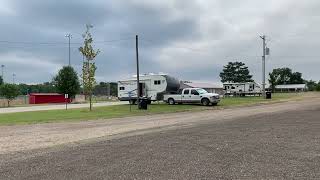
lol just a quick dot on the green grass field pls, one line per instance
(124, 110)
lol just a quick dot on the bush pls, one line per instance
(9, 91)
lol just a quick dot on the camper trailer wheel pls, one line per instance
(171, 101)
(132, 101)
(205, 102)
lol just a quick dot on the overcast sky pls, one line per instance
(189, 39)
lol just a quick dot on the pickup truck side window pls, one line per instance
(186, 91)
(194, 92)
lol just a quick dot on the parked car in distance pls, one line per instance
(193, 95)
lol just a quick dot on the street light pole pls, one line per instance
(69, 36)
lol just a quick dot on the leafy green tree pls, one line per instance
(9, 91)
(311, 85)
(106, 88)
(296, 78)
(284, 76)
(235, 72)
(67, 81)
(89, 68)
(318, 87)
(272, 81)
(1, 80)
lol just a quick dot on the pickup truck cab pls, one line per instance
(193, 95)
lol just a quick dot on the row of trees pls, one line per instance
(284, 76)
(238, 72)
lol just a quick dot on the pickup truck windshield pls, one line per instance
(202, 91)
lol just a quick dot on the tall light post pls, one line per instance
(69, 36)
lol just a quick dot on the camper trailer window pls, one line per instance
(157, 82)
(233, 87)
(122, 88)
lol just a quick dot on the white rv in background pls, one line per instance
(242, 89)
(152, 86)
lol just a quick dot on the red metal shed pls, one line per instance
(45, 98)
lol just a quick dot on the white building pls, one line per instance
(291, 88)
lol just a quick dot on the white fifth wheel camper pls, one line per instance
(152, 86)
(242, 89)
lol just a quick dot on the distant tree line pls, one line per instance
(285, 75)
(106, 88)
(47, 87)
(238, 72)
(100, 89)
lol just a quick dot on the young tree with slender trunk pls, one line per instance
(89, 68)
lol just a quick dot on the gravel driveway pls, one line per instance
(28, 137)
(278, 141)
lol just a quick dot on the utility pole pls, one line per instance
(137, 61)
(13, 76)
(69, 36)
(2, 67)
(263, 65)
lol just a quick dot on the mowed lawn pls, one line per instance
(124, 110)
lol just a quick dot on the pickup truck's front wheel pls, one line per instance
(205, 102)
(171, 101)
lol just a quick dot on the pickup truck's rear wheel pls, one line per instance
(205, 102)
(171, 101)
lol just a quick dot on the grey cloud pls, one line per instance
(189, 39)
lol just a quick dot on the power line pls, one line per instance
(178, 47)
(61, 43)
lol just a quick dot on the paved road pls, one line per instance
(55, 107)
(273, 145)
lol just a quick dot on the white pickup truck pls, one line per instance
(193, 95)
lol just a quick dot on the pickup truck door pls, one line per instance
(185, 96)
(195, 96)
